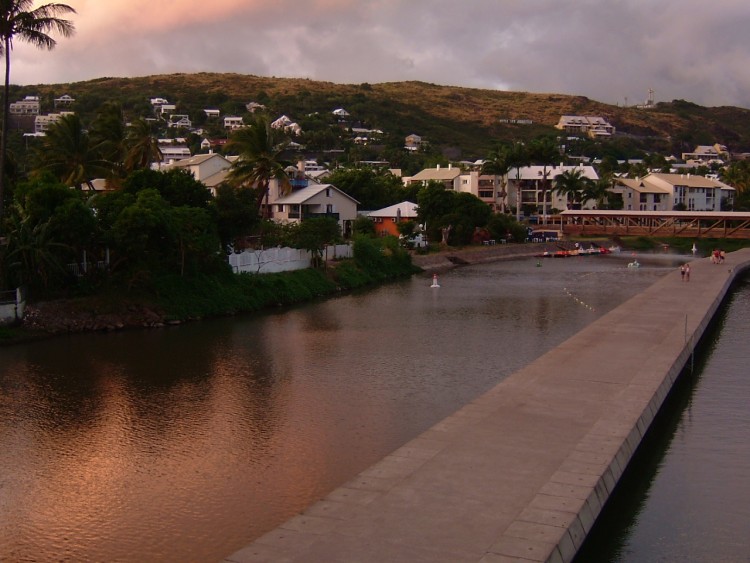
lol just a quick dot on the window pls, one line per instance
(329, 208)
(328, 192)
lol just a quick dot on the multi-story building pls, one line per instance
(28, 106)
(591, 125)
(666, 192)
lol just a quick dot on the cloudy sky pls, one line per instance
(609, 50)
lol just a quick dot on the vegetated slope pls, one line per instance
(470, 118)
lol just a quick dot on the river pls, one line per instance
(686, 494)
(186, 443)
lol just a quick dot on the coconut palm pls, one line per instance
(545, 152)
(573, 183)
(69, 153)
(599, 191)
(142, 148)
(20, 20)
(259, 160)
(107, 133)
(498, 165)
(518, 157)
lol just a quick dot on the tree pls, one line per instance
(19, 20)
(518, 157)
(314, 234)
(141, 147)
(259, 160)
(498, 165)
(108, 136)
(69, 153)
(177, 186)
(545, 152)
(572, 183)
(599, 191)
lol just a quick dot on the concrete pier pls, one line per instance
(522, 472)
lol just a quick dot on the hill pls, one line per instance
(469, 120)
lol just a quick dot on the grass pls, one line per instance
(685, 245)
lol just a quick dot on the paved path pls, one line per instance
(521, 473)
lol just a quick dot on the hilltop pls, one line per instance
(469, 119)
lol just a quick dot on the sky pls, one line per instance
(612, 51)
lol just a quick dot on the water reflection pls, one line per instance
(186, 443)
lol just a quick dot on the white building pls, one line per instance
(316, 200)
(664, 192)
(28, 106)
(531, 181)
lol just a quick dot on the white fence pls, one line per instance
(12, 305)
(285, 259)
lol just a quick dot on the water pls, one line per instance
(185, 444)
(686, 496)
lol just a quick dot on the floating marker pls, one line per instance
(434, 281)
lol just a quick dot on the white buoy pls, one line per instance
(694, 249)
(434, 281)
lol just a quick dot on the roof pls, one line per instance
(301, 196)
(215, 179)
(688, 180)
(405, 209)
(536, 172)
(436, 174)
(641, 186)
(197, 160)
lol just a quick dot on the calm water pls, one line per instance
(185, 444)
(687, 495)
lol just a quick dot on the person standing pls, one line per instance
(687, 272)
(682, 272)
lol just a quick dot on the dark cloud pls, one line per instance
(609, 50)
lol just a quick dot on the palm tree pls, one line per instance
(142, 148)
(545, 152)
(108, 135)
(518, 157)
(497, 164)
(599, 191)
(69, 153)
(259, 160)
(19, 19)
(572, 183)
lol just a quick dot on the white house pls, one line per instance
(233, 122)
(413, 142)
(210, 169)
(64, 101)
(212, 113)
(341, 113)
(316, 200)
(179, 120)
(448, 176)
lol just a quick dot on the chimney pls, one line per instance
(449, 166)
(438, 167)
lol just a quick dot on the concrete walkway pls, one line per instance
(521, 473)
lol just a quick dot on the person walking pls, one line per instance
(682, 272)
(687, 272)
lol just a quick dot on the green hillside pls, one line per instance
(467, 120)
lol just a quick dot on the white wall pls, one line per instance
(274, 260)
